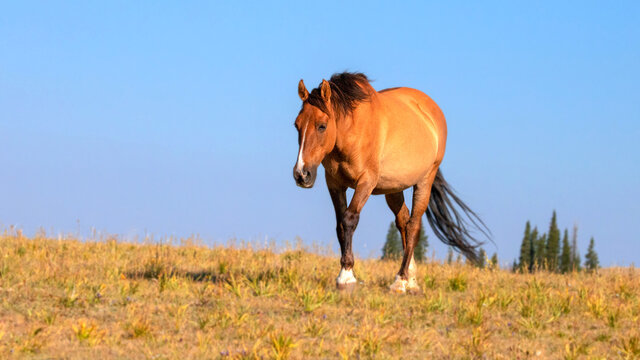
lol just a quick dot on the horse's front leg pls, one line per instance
(339, 198)
(346, 222)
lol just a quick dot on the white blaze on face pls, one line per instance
(346, 277)
(300, 162)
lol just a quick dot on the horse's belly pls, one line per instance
(392, 182)
(401, 169)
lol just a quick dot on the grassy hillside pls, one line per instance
(60, 298)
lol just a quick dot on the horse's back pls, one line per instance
(414, 139)
(417, 100)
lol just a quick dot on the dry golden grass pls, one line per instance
(61, 298)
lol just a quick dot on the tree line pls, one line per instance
(547, 251)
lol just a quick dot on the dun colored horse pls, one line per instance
(381, 142)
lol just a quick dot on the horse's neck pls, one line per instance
(356, 128)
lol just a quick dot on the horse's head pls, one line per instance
(316, 127)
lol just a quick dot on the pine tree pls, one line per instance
(532, 249)
(539, 245)
(591, 261)
(392, 248)
(577, 262)
(419, 252)
(449, 255)
(575, 255)
(525, 249)
(494, 261)
(553, 244)
(565, 256)
(482, 259)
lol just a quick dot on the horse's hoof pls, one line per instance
(399, 286)
(346, 280)
(412, 286)
(348, 287)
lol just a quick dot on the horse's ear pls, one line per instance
(302, 91)
(325, 91)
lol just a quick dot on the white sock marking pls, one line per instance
(346, 277)
(412, 268)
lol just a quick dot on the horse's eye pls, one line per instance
(322, 127)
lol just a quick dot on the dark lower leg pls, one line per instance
(413, 229)
(349, 224)
(421, 194)
(349, 220)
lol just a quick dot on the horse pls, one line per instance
(381, 143)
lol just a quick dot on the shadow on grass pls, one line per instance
(200, 276)
(157, 270)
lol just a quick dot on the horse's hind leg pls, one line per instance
(406, 278)
(400, 210)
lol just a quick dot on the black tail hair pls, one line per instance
(448, 224)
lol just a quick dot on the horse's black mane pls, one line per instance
(347, 90)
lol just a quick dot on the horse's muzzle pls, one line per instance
(305, 178)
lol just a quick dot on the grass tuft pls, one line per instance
(458, 282)
(282, 345)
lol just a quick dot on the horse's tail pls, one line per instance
(447, 222)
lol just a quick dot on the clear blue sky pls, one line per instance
(176, 119)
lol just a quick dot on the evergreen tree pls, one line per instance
(494, 261)
(525, 249)
(482, 256)
(540, 243)
(577, 262)
(392, 248)
(591, 262)
(565, 256)
(532, 250)
(575, 255)
(552, 252)
(449, 255)
(419, 252)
